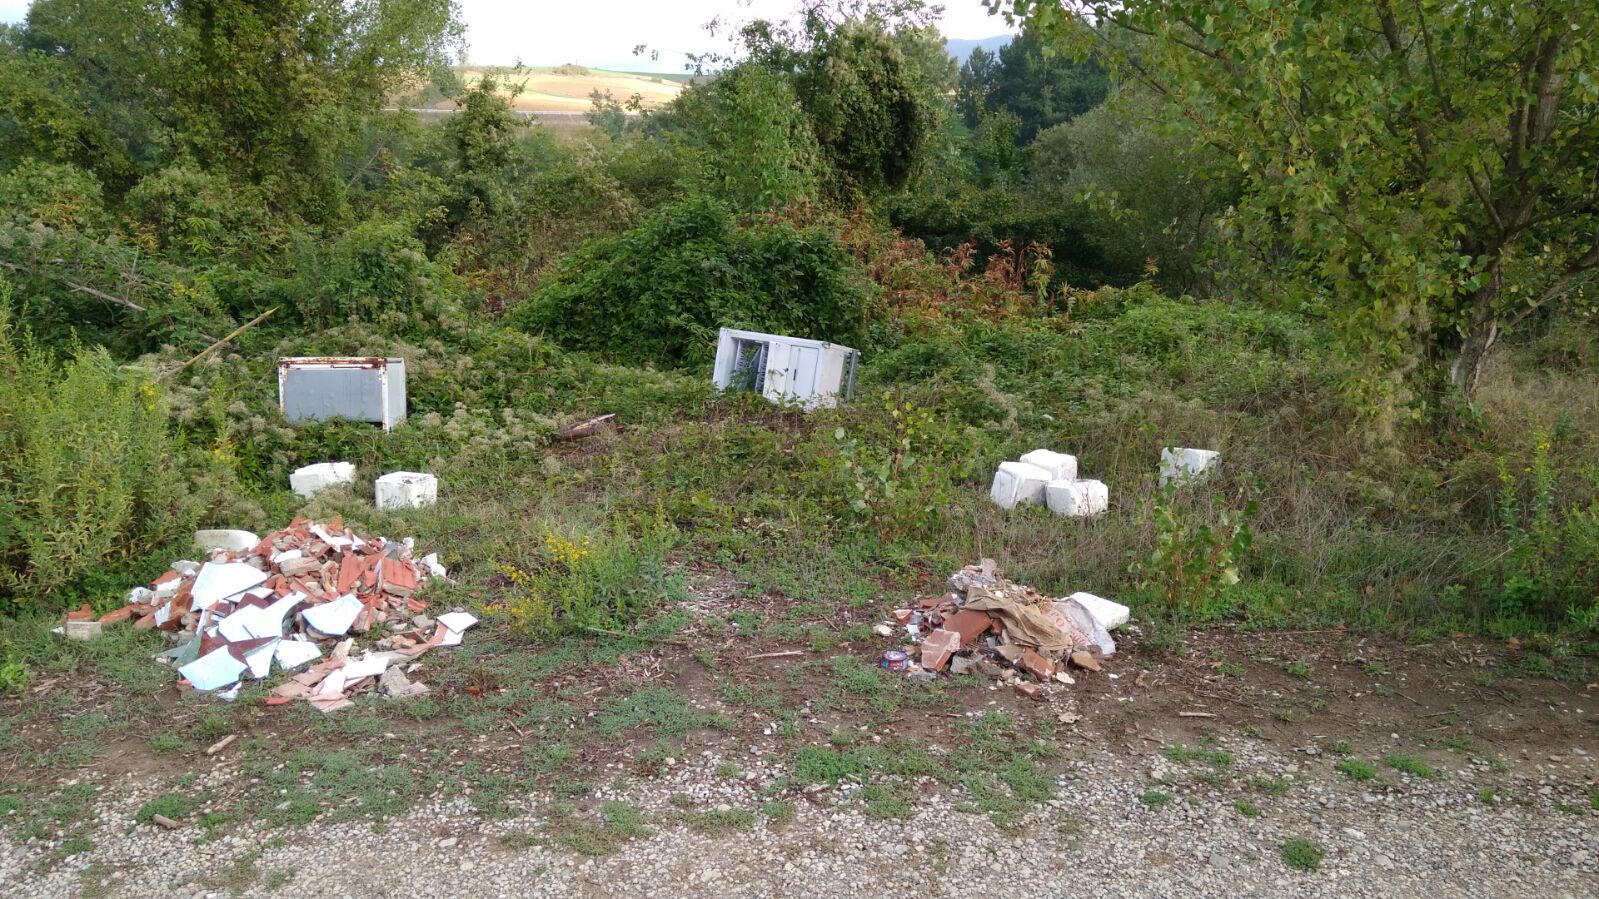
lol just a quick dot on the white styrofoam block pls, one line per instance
(226, 538)
(312, 478)
(1018, 482)
(406, 490)
(1077, 499)
(1182, 464)
(1107, 612)
(1061, 467)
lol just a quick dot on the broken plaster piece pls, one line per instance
(333, 618)
(294, 653)
(213, 671)
(219, 580)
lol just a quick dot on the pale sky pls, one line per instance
(604, 32)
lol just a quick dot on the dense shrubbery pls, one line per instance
(659, 292)
(764, 198)
(89, 473)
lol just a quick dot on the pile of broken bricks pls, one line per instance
(993, 627)
(292, 598)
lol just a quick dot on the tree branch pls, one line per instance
(79, 288)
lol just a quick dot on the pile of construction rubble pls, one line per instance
(991, 626)
(290, 599)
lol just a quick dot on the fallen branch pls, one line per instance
(775, 655)
(584, 428)
(221, 744)
(232, 334)
(610, 633)
(1196, 714)
(80, 288)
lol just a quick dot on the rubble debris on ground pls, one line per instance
(1045, 477)
(295, 597)
(1182, 465)
(225, 538)
(307, 481)
(405, 490)
(996, 628)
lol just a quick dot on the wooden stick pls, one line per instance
(775, 655)
(232, 334)
(221, 744)
(583, 428)
(611, 633)
(1196, 714)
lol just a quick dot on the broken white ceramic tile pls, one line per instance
(294, 653)
(213, 671)
(457, 621)
(259, 659)
(373, 664)
(219, 580)
(334, 618)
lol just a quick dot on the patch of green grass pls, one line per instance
(1155, 799)
(1216, 758)
(276, 879)
(778, 811)
(618, 823)
(729, 771)
(1246, 808)
(856, 677)
(1230, 669)
(165, 741)
(1340, 747)
(660, 709)
(1409, 765)
(887, 801)
(1375, 669)
(75, 844)
(1303, 854)
(720, 822)
(1300, 668)
(1271, 786)
(168, 805)
(1355, 769)
(1487, 796)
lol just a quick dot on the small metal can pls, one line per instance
(894, 660)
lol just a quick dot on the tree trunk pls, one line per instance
(1467, 368)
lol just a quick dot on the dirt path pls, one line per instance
(682, 766)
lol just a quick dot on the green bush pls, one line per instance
(89, 473)
(658, 292)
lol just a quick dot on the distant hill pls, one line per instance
(961, 47)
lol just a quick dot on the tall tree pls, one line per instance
(1433, 166)
(1040, 86)
(269, 88)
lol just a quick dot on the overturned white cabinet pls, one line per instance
(360, 388)
(810, 373)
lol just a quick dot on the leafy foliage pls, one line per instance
(1427, 168)
(87, 469)
(659, 292)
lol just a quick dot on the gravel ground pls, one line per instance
(1428, 838)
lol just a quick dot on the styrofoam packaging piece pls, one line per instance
(406, 490)
(226, 538)
(1017, 482)
(308, 480)
(1061, 466)
(1181, 464)
(1077, 499)
(1107, 612)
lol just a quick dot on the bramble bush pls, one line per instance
(658, 293)
(89, 473)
